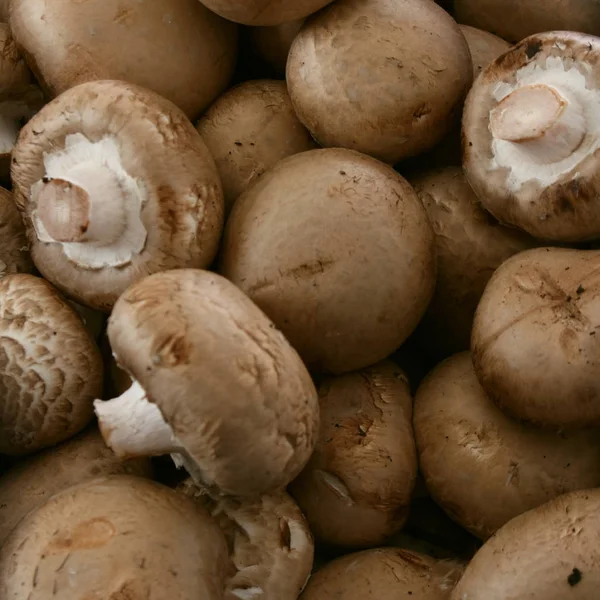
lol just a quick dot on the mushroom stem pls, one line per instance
(547, 124)
(133, 427)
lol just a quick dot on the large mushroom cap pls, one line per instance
(50, 368)
(531, 134)
(176, 48)
(115, 183)
(14, 248)
(117, 538)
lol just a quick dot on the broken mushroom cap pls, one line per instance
(14, 249)
(531, 135)
(549, 553)
(115, 537)
(248, 130)
(464, 440)
(215, 383)
(270, 544)
(67, 43)
(536, 339)
(356, 489)
(115, 183)
(52, 368)
(272, 43)
(31, 481)
(485, 47)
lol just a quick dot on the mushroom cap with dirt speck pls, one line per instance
(382, 77)
(50, 368)
(33, 480)
(536, 337)
(67, 43)
(272, 43)
(549, 553)
(484, 46)
(464, 440)
(115, 538)
(357, 486)
(248, 130)
(114, 183)
(337, 250)
(531, 136)
(14, 248)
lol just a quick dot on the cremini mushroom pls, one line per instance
(337, 250)
(115, 183)
(215, 383)
(14, 248)
(248, 130)
(531, 133)
(485, 47)
(118, 537)
(272, 43)
(50, 368)
(356, 489)
(67, 43)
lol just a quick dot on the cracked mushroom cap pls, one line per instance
(14, 248)
(176, 48)
(273, 43)
(549, 553)
(357, 486)
(536, 337)
(50, 368)
(531, 135)
(270, 544)
(115, 183)
(465, 442)
(119, 537)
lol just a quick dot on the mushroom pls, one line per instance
(536, 337)
(115, 183)
(50, 368)
(118, 537)
(383, 77)
(471, 245)
(67, 43)
(465, 443)
(31, 481)
(214, 383)
(272, 43)
(485, 47)
(269, 542)
(356, 489)
(531, 132)
(14, 251)
(337, 250)
(549, 553)
(248, 130)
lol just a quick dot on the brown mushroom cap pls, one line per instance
(248, 130)
(67, 43)
(549, 553)
(273, 43)
(30, 482)
(531, 133)
(50, 368)
(137, 188)
(15, 76)
(356, 489)
(485, 47)
(119, 537)
(337, 250)
(14, 249)
(383, 77)
(536, 338)
(466, 443)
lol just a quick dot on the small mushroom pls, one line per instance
(272, 43)
(115, 538)
(485, 47)
(215, 383)
(115, 183)
(50, 368)
(531, 133)
(14, 249)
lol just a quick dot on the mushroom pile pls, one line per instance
(299, 300)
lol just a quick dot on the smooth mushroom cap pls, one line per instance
(383, 77)
(337, 250)
(115, 183)
(14, 248)
(485, 47)
(115, 537)
(248, 130)
(531, 135)
(536, 346)
(269, 542)
(31, 481)
(549, 553)
(357, 486)
(273, 43)
(50, 368)
(67, 43)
